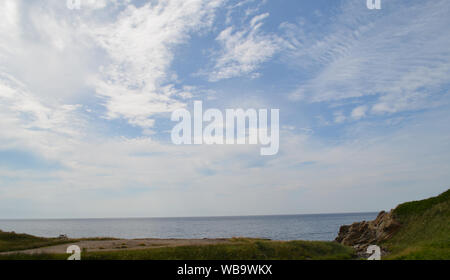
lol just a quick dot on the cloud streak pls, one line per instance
(243, 51)
(399, 56)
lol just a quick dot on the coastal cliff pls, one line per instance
(413, 230)
(362, 234)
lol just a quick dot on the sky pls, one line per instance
(86, 97)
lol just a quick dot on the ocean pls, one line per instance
(277, 227)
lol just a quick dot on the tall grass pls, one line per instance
(425, 230)
(10, 241)
(242, 249)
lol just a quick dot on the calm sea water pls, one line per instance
(285, 227)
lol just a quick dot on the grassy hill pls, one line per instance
(424, 231)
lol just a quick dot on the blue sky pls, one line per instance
(86, 97)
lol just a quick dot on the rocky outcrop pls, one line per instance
(362, 234)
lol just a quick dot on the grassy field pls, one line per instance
(238, 249)
(10, 241)
(425, 230)
(244, 249)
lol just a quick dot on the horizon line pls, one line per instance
(187, 217)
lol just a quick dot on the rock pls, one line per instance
(362, 234)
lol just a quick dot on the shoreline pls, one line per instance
(102, 244)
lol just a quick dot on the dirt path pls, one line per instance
(120, 244)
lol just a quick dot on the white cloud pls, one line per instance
(9, 13)
(398, 54)
(140, 43)
(167, 180)
(359, 112)
(45, 50)
(243, 51)
(46, 130)
(339, 117)
(98, 4)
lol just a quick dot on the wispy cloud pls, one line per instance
(359, 112)
(244, 50)
(138, 83)
(399, 55)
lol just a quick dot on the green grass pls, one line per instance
(10, 241)
(425, 230)
(33, 257)
(242, 249)
(258, 250)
